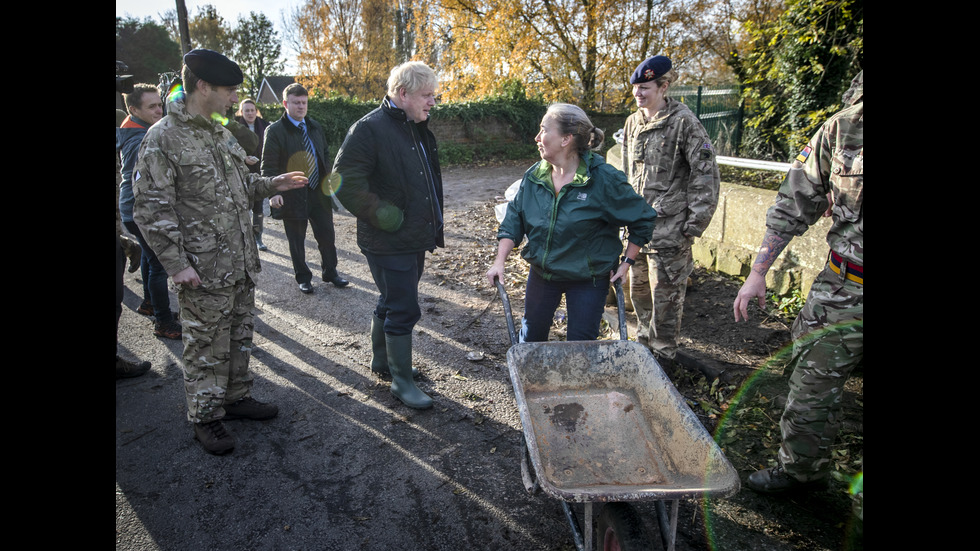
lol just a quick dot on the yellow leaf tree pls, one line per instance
(582, 51)
(349, 46)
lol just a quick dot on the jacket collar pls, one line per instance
(399, 114)
(542, 171)
(293, 122)
(672, 107)
(134, 122)
(178, 109)
(392, 111)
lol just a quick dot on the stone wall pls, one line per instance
(731, 242)
(486, 131)
(491, 130)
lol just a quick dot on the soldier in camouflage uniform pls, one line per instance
(826, 179)
(193, 196)
(668, 159)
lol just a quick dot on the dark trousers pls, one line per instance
(320, 218)
(154, 278)
(397, 277)
(585, 301)
(120, 268)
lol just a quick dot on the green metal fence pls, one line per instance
(720, 110)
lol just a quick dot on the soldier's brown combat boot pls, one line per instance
(214, 438)
(250, 408)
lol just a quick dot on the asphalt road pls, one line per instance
(344, 465)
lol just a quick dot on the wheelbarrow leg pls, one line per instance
(668, 525)
(576, 528)
(589, 545)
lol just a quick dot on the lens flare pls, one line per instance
(782, 357)
(220, 118)
(857, 484)
(333, 184)
(176, 93)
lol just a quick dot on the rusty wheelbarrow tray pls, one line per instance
(603, 423)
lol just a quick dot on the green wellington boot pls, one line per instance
(400, 365)
(379, 352)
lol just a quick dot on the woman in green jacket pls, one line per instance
(571, 206)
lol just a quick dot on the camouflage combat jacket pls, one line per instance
(831, 163)
(668, 159)
(193, 198)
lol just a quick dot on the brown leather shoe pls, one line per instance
(214, 438)
(250, 408)
(169, 330)
(146, 308)
(775, 480)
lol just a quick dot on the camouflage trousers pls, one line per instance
(218, 325)
(657, 287)
(828, 342)
(258, 216)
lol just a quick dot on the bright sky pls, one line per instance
(229, 10)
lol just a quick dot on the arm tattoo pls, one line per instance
(772, 245)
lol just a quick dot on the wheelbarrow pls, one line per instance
(603, 424)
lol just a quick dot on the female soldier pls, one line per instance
(668, 159)
(571, 206)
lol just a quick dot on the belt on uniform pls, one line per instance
(843, 268)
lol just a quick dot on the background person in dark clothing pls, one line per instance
(387, 175)
(297, 142)
(249, 116)
(145, 107)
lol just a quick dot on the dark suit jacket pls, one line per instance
(284, 151)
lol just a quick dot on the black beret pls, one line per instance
(213, 68)
(651, 69)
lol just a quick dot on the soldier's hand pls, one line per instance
(187, 276)
(754, 287)
(290, 180)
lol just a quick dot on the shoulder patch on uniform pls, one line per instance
(804, 154)
(136, 176)
(706, 151)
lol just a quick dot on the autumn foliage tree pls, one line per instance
(564, 50)
(348, 47)
(570, 50)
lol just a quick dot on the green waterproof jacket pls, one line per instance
(575, 235)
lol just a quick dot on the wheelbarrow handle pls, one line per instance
(621, 305)
(512, 331)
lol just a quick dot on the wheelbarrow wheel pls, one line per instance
(621, 529)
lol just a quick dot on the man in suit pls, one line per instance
(298, 142)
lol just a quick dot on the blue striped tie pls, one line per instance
(310, 158)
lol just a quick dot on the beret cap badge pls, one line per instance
(651, 68)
